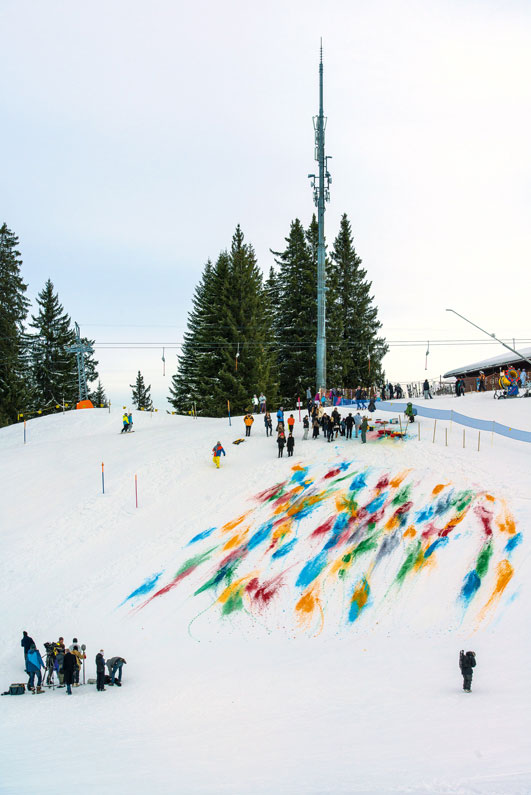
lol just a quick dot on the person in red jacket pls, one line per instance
(217, 450)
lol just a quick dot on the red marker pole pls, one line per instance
(299, 405)
(136, 491)
(102, 479)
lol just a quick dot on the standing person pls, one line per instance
(59, 657)
(26, 644)
(281, 441)
(290, 444)
(79, 656)
(34, 664)
(398, 392)
(114, 666)
(426, 390)
(280, 415)
(248, 420)
(306, 426)
(364, 426)
(268, 422)
(217, 450)
(130, 423)
(349, 422)
(69, 666)
(410, 412)
(357, 422)
(482, 386)
(390, 390)
(125, 420)
(467, 663)
(308, 395)
(315, 425)
(523, 378)
(372, 406)
(100, 669)
(291, 423)
(255, 403)
(262, 401)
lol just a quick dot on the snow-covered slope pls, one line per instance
(289, 625)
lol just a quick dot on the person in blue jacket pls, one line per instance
(280, 415)
(217, 450)
(34, 664)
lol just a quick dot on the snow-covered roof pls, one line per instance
(495, 361)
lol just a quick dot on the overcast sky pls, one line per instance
(135, 136)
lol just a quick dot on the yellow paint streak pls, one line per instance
(282, 530)
(235, 587)
(505, 521)
(236, 540)
(341, 501)
(410, 532)
(234, 522)
(504, 573)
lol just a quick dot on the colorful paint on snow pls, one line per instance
(346, 541)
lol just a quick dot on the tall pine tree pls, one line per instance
(14, 393)
(141, 394)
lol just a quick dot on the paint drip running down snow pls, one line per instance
(344, 541)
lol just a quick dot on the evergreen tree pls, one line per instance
(296, 316)
(98, 397)
(13, 310)
(353, 324)
(141, 394)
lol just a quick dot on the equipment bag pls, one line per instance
(17, 689)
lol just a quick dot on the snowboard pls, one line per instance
(125, 433)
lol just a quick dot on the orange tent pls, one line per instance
(84, 404)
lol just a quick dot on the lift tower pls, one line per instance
(321, 194)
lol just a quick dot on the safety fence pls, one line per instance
(454, 416)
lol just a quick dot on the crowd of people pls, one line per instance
(65, 663)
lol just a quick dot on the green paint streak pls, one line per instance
(344, 477)
(366, 545)
(191, 563)
(483, 560)
(402, 496)
(347, 558)
(462, 499)
(371, 526)
(412, 557)
(228, 576)
(234, 602)
(341, 573)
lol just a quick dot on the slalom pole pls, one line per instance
(299, 404)
(434, 429)
(83, 649)
(136, 491)
(228, 409)
(24, 431)
(479, 439)
(102, 479)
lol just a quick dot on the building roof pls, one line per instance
(506, 358)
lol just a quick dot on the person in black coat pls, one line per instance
(349, 423)
(281, 441)
(290, 444)
(69, 666)
(467, 663)
(100, 670)
(26, 644)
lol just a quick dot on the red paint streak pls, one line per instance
(486, 519)
(431, 530)
(252, 585)
(332, 473)
(376, 517)
(169, 586)
(284, 499)
(404, 508)
(234, 555)
(323, 528)
(267, 591)
(265, 495)
(383, 482)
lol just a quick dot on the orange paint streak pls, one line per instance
(297, 468)
(439, 488)
(236, 540)
(361, 594)
(234, 522)
(505, 572)
(392, 522)
(505, 521)
(341, 502)
(410, 532)
(306, 607)
(490, 498)
(282, 530)
(396, 481)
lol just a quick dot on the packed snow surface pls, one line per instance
(290, 625)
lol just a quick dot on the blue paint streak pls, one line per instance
(143, 589)
(339, 525)
(439, 542)
(312, 569)
(344, 465)
(354, 611)
(284, 550)
(377, 503)
(470, 586)
(513, 542)
(444, 503)
(200, 536)
(424, 514)
(261, 535)
(388, 545)
(299, 475)
(306, 511)
(359, 482)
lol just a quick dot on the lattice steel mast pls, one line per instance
(80, 349)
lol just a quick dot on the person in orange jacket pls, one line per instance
(291, 423)
(248, 420)
(216, 452)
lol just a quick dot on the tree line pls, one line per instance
(247, 334)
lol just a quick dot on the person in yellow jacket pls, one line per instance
(248, 420)
(125, 420)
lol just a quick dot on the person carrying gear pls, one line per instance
(248, 420)
(216, 452)
(467, 663)
(125, 420)
(34, 664)
(114, 666)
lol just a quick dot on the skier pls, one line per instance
(125, 420)
(281, 441)
(291, 423)
(268, 422)
(290, 444)
(26, 644)
(306, 426)
(364, 427)
(34, 664)
(100, 670)
(467, 662)
(357, 422)
(248, 420)
(130, 423)
(69, 666)
(114, 666)
(349, 422)
(216, 452)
